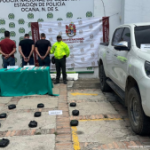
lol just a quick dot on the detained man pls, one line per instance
(42, 48)
(60, 51)
(7, 49)
(26, 48)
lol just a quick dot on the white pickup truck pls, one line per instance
(124, 65)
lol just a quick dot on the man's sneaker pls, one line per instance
(65, 82)
(56, 82)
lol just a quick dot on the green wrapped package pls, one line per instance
(25, 82)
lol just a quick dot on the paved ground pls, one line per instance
(103, 121)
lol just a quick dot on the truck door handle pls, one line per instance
(116, 55)
(107, 51)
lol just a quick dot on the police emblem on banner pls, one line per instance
(80, 22)
(72, 56)
(82, 49)
(91, 36)
(60, 33)
(50, 29)
(71, 30)
(51, 39)
(71, 46)
(81, 31)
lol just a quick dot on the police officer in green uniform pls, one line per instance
(61, 52)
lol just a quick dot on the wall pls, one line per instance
(112, 7)
(136, 11)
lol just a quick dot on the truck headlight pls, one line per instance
(147, 68)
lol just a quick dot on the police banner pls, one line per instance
(16, 16)
(83, 37)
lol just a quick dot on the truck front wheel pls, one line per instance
(103, 85)
(140, 123)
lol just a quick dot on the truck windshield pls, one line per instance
(142, 35)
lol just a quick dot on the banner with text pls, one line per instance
(17, 15)
(82, 36)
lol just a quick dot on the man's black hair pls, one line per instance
(59, 37)
(42, 35)
(7, 34)
(26, 35)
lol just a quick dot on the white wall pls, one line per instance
(112, 7)
(136, 11)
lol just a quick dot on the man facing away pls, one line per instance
(26, 48)
(60, 51)
(7, 49)
(42, 48)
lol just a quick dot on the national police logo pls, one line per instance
(89, 14)
(69, 15)
(2, 30)
(2, 22)
(15, 59)
(30, 33)
(21, 38)
(59, 19)
(71, 30)
(29, 24)
(89, 68)
(11, 16)
(40, 20)
(14, 41)
(2, 38)
(12, 34)
(30, 15)
(11, 25)
(21, 21)
(21, 30)
(50, 15)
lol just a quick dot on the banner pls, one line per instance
(105, 29)
(16, 16)
(82, 36)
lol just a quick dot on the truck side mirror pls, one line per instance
(122, 46)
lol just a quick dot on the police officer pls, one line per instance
(60, 51)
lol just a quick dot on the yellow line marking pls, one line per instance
(76, 144)
(75, 94)
(103, 119)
